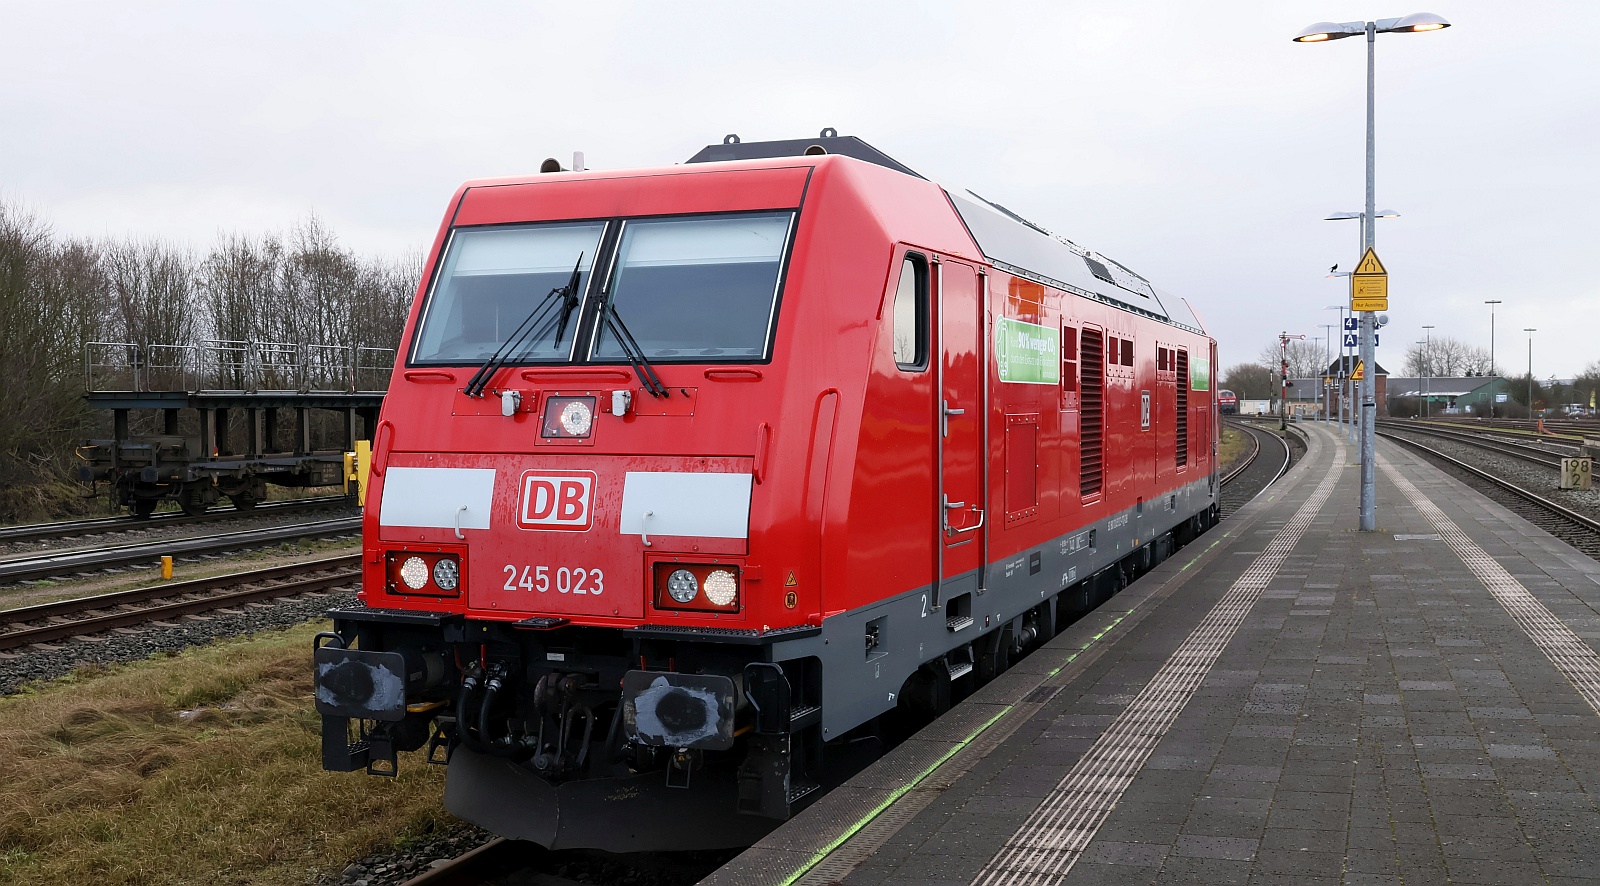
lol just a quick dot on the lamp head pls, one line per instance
(1324, 31)
(1414, 23)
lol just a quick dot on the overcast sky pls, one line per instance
(1193, 142)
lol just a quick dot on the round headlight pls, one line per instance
(682, 586)
(576, 418)
(414, 572)
(721, 587)
(446, 574)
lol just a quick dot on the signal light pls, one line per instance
(698, 587)
(413, 573)
(567, 418)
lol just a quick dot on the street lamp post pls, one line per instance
(1327, 354)
(1321, 32)
(1339, 373)
(1493, 373)
(1530, 330)
(1427, 369)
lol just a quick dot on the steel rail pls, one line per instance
(475, 865)
(1244, 464)
(1571, 430)
(1566, 513)
(1515, 450)
(68, 528)
(334, 572)
(32, 566)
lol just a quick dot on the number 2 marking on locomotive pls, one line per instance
(565, 580)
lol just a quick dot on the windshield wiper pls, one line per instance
(634, 353)
(529, 329)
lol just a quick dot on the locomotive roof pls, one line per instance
(844, 145)
(1014, 244)
(1009, 241)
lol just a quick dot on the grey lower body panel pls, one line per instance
(912, 627)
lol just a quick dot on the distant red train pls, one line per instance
(1227, 402)
(686, 476)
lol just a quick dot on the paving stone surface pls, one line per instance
(1377, 718)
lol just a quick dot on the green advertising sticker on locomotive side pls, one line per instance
(1028, 353)
(1199, 373)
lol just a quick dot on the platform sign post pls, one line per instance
(1577, 473)
(1369, 285)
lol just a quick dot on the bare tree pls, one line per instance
(1251, 382)
(153, 287)
(1446, 357)
(51, 302)
(298, 288)
(1307, 359)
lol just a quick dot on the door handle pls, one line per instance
(952, 505)
(944, 418)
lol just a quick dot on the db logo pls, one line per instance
(557, 500)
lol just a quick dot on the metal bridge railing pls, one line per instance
(229, 366)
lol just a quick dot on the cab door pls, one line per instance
(959, 413)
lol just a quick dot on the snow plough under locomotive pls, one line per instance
(686, 476)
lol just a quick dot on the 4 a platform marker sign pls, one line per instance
(1369, 285)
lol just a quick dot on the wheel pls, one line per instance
(193, 501)
(142, 508)
(244, 501)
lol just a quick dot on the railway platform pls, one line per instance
(1286, 700)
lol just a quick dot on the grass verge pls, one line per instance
(198, 768)
(1233, 447)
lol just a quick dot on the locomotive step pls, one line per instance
(958, 623)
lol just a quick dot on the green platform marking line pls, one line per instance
(894, 795)
(832, 845)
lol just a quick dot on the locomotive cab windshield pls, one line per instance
(701, 288)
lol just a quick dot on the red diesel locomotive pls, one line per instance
(687, 476)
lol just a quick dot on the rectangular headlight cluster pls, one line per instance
(700, 587)
(423, 574)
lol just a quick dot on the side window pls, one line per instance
(1127, 352)
(911, 315)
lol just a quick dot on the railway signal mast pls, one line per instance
(1283, 377)
(1319, 33)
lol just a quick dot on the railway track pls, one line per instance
(1577, 529)
(1526, 452)
(1566, 426)
(77, 528)
(84, 616)
(28, 567)
(1269, 458)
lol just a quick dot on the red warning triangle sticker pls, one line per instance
(790, 581)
